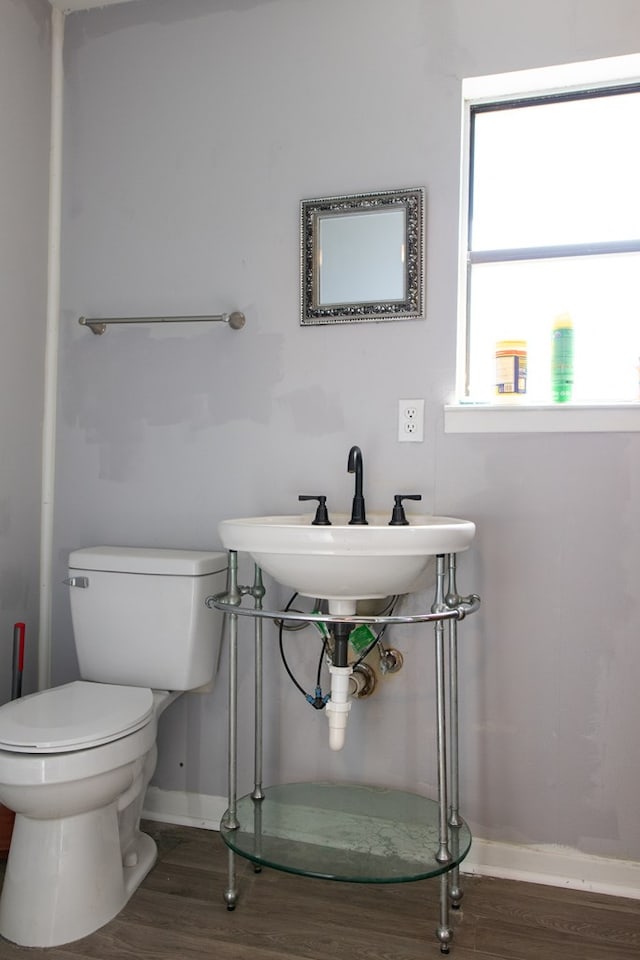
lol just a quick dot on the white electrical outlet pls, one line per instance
(411, 421)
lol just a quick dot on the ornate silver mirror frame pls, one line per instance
(362, 257)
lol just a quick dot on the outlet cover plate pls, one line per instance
(410, 421)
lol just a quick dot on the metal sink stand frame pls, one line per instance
(449, 607)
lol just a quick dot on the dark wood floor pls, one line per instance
(178, 914)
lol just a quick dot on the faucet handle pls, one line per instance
(321, 518)
(398, 517)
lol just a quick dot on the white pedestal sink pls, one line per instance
(343, 563)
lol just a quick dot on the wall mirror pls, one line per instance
(362, 257)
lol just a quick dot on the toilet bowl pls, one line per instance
(77, 806)
(76, 760)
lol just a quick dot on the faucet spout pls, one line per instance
(354, 465)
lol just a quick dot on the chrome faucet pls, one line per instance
(354, 465)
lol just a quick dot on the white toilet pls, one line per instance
(75, 761)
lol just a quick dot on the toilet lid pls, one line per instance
(74, 716)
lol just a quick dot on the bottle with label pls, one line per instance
(511, 369)
(562, 359)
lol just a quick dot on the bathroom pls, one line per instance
(192, 130)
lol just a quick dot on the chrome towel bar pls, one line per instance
(235, 320)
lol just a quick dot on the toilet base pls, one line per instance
(65, 878)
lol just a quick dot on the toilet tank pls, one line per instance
(139, 615)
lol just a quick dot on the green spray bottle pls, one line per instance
(562, 359)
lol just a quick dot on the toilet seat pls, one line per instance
(74, 716)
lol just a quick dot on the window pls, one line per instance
(553, 229)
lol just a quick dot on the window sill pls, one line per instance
(556, 418)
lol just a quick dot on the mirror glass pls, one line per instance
(362, 257)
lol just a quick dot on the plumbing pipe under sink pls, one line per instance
(339, 705)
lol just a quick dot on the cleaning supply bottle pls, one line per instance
(511, 369)
(562, 359)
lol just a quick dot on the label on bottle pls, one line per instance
(511, 368)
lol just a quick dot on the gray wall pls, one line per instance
(193, 130)
(24, 136)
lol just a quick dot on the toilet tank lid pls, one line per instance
(187, 563)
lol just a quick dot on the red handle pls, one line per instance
(20, 628)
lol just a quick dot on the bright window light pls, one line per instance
(554, 229)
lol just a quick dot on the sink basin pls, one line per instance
(343, 562)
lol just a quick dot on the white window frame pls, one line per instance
(462, 415)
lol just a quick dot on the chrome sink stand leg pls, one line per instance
(231, 818)
(452, 600)
(257, 793)
(233, 597)
(444, 932)
(258, 593)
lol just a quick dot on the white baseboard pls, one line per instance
(541, 863)
(186, 809)
(554, 866)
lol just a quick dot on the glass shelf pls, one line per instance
(346, 832)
